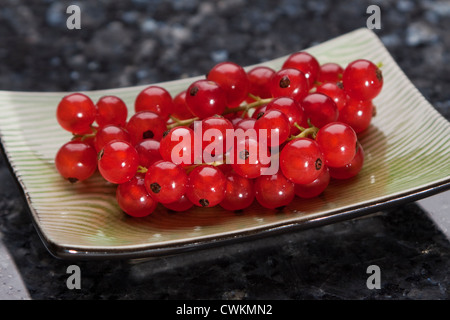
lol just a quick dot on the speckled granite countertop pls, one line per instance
(127, 43)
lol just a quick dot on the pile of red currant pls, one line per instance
(230, 139)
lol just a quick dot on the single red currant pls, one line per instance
(335, 90)
(118, 161)
(289, 83)
(181, 205)
(362, 80)
(301, 160)
(315, 188)
(273, 128)
(148, 151)
(205, 98)
(109, 133)
(274, 191)
(320, 109)
(111, 110)
(75, 113)
(337, 141)
(291, 109)
(76, 161)
(206, 186)
(180, 109)
(239, 192)
(133, 198)
(357, 114)
(248, 158)
(177, 146)
(166, 181)
(259, 78)
(233, 79)
(306, 63)
(352, 168)
(214, 133)
(330, 72)
(155, 99)
(145, 125)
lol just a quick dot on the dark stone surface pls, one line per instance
(125, 43)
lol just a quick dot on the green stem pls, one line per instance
(304, 132)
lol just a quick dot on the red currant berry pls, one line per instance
(109, 133)
(315, 188)
(177, 146)
(289, 83)
(246, 156)
(320, 109)
(214, 133)
(291, 109)
(352, 168)
(274, 191)
(233, 79)
(165, 181)
(337, 141)
(330, 72)
(111, 110)
(239, 192)
(182, 204)
(118, 162)
(273, 128)
(133, 198)
(245, 124)
(301, 160)
(76, 161)
(145, 125)
(357, 114)
(75, 113)
(206, 186)
(205, 98)
(180, 109)
(155, 99)
(335, 90)
(259, 112)
(148, 151)
(306, 63)
(259, 78)
(362, 80)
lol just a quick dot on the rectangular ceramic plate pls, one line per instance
(407, 157)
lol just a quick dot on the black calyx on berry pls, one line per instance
(156, 188)
(204, 202)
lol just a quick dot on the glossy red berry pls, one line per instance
(76, 161)
(181, 205)
(177, 146)
(289, 83)
(111, 110)
(206, 98)
(335, 90)
(320, 109)
(109, 133)
(206, 186)
(274, 191)
(155, 99)
(148, 151)
(239, 192)
(301, 160)
(357, 114)
(362, 80)
(273, 128)
(166, 181)
(337, 141)
(180, 109)
(352, 168)
(233, 79)
(315, 188)
(133, 198)
(291, 109)
(145, 125)
(76, 113)
(330, 72)
(214, 133)
(118, 162)
(248, 158)
(306, 63)
(259, 78)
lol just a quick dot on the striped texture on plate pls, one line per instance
(407, 150)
